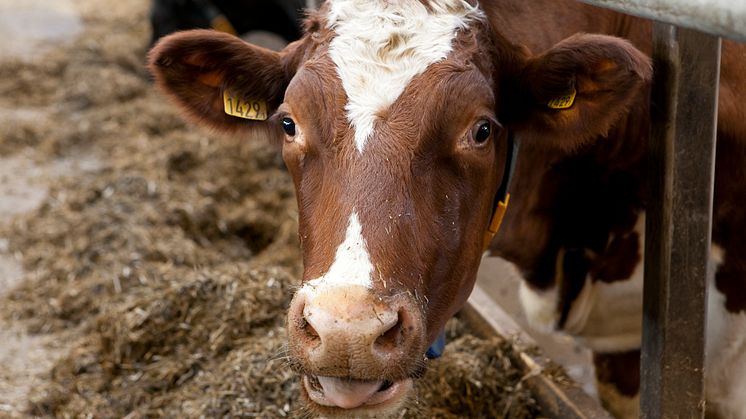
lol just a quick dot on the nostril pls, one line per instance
(299, 321)
(392, 337)
(305, 326)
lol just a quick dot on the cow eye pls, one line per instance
(481, 132)
(288, 125)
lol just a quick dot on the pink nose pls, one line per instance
(350, 332)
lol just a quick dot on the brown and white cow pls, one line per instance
(396, 119)
(575, 231)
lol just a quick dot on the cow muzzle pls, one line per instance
(355, 348)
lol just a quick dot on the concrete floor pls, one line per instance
(29, 28)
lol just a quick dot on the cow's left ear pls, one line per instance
(577, 90)
(221, 81)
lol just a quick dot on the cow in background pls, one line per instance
(575, 231)
(398, 121)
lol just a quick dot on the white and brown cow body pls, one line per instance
(575, 232)
(398, 117)
(577, 236)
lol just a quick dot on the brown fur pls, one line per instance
(621, 370)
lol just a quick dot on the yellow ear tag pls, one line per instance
(244, 108)
(496, 221)
(565, 101)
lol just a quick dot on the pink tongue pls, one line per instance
(348, 394)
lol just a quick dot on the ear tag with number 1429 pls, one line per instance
(244, 108)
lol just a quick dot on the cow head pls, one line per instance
(394, 120)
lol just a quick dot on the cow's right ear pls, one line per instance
(221, 81)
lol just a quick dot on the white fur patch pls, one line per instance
(614, 321)
(581, 308)
(604, 316)
(725, 359)
(608, 316)
(540, 307)
(382, 45)
(352, 265)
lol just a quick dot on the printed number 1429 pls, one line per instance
(244, 108)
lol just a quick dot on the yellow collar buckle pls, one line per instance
(497, 220)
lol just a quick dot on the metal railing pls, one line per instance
(681, 151)
(726, 18)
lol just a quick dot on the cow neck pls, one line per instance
(502, 197)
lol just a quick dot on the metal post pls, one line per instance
(679, 221)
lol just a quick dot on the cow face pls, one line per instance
(393, 119)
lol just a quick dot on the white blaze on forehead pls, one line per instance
(352, 265)
(382, 45)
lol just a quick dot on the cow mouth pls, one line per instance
(348, 393)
